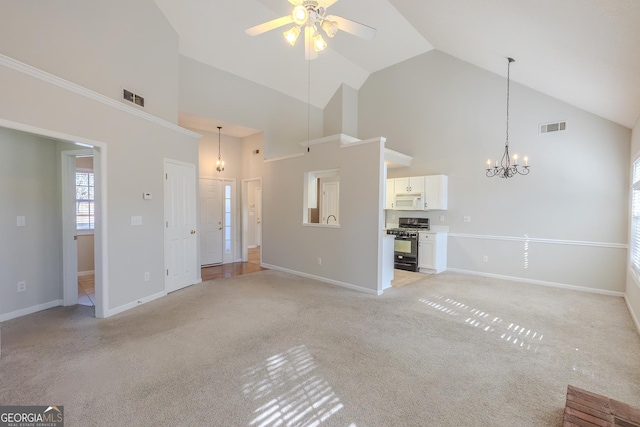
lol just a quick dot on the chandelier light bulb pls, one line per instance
(292, 35)
(329, 27)
(300, 15)
(318, 42)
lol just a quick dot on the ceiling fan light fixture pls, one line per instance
(292, 35)
(318, 42)
(300, 15)
(330, 27)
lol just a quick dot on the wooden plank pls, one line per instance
(625, 412)
(587, 410)
(597, 405)
(590, 418)
(582, 423)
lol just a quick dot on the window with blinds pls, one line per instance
(85, 213)
(635, 217)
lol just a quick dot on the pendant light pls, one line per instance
(220, 162)
(506, 169)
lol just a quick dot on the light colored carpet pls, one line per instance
(269, 348)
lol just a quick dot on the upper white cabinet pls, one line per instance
(435, 192)
(409, 185)
(427, 193)
(390, 198)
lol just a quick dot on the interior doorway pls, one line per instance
(252, 222)
(217, 221)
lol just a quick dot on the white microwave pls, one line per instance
(409, 202)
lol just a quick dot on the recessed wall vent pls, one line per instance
(127, 95)
(552, 127)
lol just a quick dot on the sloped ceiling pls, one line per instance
(584, 52)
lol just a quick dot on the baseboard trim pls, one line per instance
(632, 313)
(30, 310)
(323, 279)
(86, 273)
(539, 282)
(133, 304)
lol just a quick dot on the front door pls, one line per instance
(180, 225)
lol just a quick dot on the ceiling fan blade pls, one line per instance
(295, 2)
(309, 51)
(270, 25)
(352, 27)
(323, 3)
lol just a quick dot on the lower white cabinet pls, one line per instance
(432, 252)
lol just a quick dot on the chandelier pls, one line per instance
(220, 162)
(506, 169)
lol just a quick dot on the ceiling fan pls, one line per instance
(311, 14)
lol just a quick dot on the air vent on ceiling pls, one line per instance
(553, 127)
(127, 95)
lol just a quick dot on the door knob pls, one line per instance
(193, 231)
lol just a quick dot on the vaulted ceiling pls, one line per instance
(584, 52)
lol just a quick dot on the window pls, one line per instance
(635, 217)
(85, 208)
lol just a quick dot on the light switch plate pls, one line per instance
(21, 221)
(136, 220)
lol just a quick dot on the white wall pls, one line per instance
(135, 145)
(102, 46)
(29, 187)
(450, 116)
(213, 93)
(632, 288)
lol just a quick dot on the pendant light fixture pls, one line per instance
(220, 162)
(506, 169)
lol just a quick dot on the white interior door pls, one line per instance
(258, 202)
(329, 210)
(210, 221)
(180, 225)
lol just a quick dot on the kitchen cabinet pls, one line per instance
(409, 185)
(432, 252)
(435, 193)
(390, 195)
(431, 190)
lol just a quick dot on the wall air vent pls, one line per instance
(552, 127)
(127, 95)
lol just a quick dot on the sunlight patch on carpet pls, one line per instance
(289, 392)
(518, 335)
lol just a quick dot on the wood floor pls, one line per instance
(87, 290)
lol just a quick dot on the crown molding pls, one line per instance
(31, 71)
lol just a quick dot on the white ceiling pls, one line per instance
(584, 52)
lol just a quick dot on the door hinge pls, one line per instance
(166, 176)
(167, 272)
(167, 224)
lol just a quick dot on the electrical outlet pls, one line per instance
(319, 261)
(441, 217)
(22, 286)
(467, 219)
(485, 258)
(146, 276)
(21, 221)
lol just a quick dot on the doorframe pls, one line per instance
(101, 224)
(245, 217)
(69, 231)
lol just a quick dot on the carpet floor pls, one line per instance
(272, 349)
